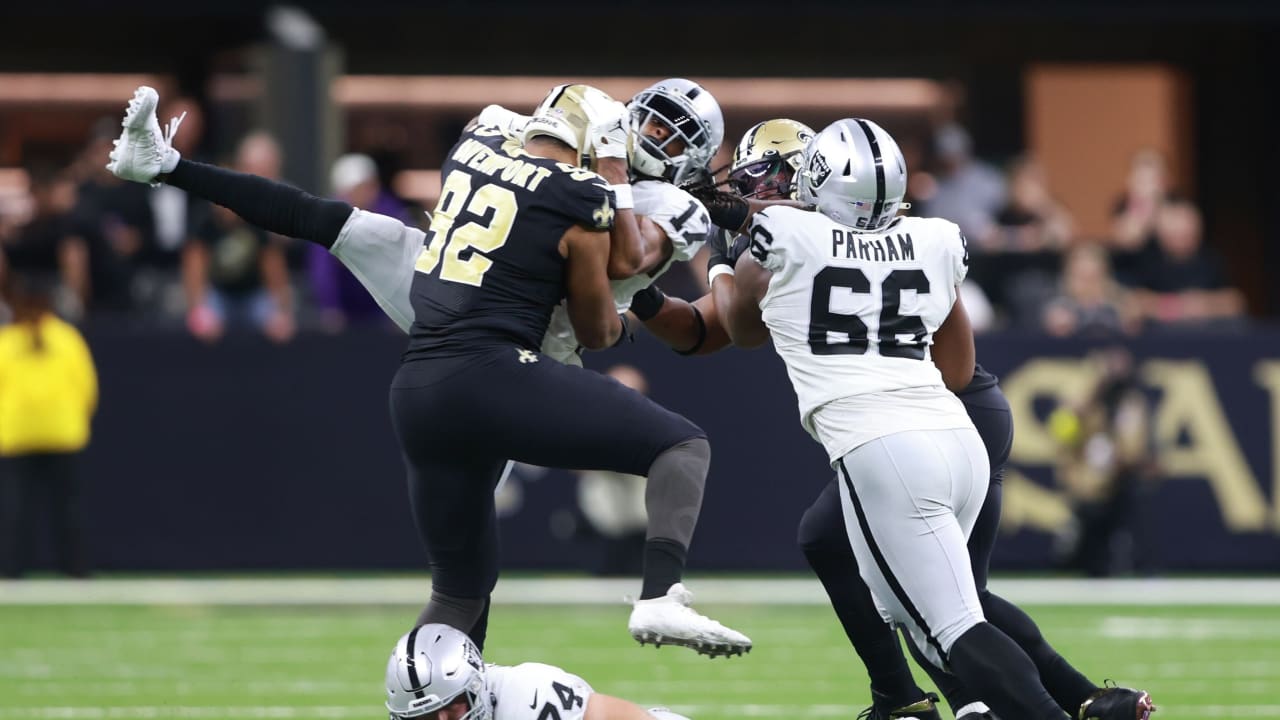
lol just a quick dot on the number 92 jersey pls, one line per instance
(853, 314)
(534, 691)
(490, 270)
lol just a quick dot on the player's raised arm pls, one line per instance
(631, 250)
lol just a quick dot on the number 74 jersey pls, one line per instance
(534, 691)
(852, 314)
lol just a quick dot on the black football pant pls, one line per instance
(460, 420)
(27, 483)
(825, 542)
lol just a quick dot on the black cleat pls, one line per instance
(926, 709)
(1117, 703)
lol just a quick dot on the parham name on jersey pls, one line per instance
(875, 249)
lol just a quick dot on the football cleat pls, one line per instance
(143, 152)
(926, 709)
(1117, 703)
(669, 620)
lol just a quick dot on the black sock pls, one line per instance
(456, 612)
(481, 628)
(1066, 684)
(663, 566)
(874, 640)
(987, 661)
(957, 693)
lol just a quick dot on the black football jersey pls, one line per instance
(490, 271)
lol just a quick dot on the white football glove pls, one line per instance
(609, 129)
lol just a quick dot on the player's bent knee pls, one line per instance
(948, 632)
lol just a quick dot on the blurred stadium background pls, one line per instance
(1113, 165)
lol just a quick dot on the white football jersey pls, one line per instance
(534, 691)
(685, 221)
(853, 314)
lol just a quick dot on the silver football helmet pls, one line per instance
(855, 173)
(431, 666)
(693, 128)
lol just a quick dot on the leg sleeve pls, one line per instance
(381, 251)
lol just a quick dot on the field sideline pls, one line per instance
(315, 647)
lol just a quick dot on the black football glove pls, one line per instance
(726, 248)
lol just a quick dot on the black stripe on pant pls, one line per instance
(883, 565)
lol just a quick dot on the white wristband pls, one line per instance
(716, 271)
(622, 197)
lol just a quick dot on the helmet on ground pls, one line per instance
(431, 667)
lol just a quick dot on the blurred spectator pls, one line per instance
(965, 190)
(339, 296)
(1133, 223)
(114, 218)
(1023, 255)
(1090, 302)
(234, 273)
(1106, 451)
(1031, 220)
(1180, 280)
(48, 393)
(49, 246)
(613, 503)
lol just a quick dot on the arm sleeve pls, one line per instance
(273, 206)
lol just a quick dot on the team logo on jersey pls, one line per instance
(603, 216)
(527, 356)
(819, 170)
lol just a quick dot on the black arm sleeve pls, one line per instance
(272, 206)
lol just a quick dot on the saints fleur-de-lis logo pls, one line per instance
(603, 215)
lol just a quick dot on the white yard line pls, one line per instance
(591, 591)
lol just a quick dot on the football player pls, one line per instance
(436, 673)
(764, 166)
(853, 317)
(521, 226)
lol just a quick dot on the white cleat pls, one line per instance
(142, 151)
(668, 620)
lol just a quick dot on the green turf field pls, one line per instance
(175, 661)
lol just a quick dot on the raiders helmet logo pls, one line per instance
(819, 170)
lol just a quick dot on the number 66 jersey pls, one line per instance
(534, 691)
(852, 314)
